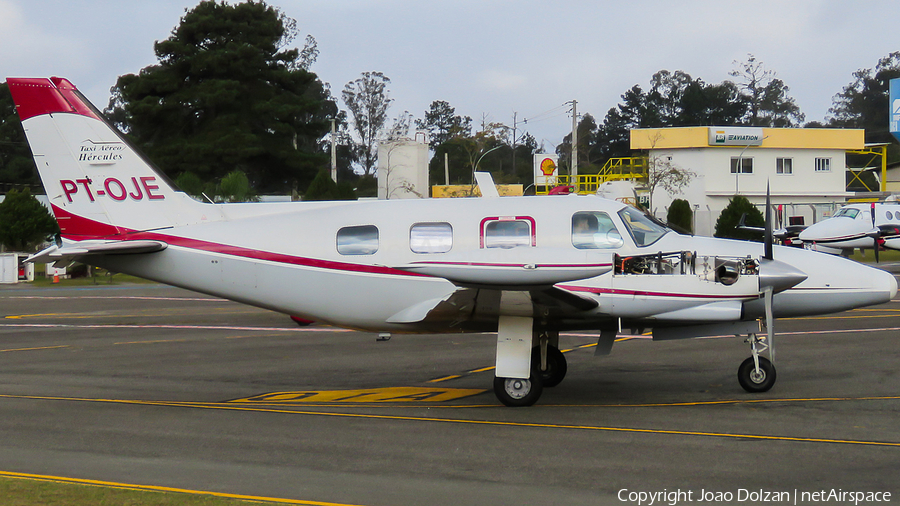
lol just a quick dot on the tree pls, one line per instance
(726, 225)
(663, 173)
(680, 215)
(24, 222)
(16, 164)
(711, 104)
(864, 102)
(235, 187)
(769, 104)
(368, 100)
(442, 123)
(324, 188)
(226, 95)
(401, 126)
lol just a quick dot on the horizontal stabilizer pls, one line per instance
(65, 254)
(516, 268)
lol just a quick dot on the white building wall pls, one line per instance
(402, 169)
(805, 192)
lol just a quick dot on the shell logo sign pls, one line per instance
(545, 169)
(548, 166)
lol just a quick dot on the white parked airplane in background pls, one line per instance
(524, 267)
(867, 225)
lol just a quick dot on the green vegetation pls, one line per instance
(229, 94)
(726, 225)
(681, 215)
(868, 256)
(24, 222)
(28, 492)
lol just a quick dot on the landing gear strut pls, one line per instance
(552, 368)
(528, 359)
(757, 374)
(525, 392)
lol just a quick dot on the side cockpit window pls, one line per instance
(594, 230)
(359, 240)
(431, 238)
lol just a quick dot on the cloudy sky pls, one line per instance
(488, 58)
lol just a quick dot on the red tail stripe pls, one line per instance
(38, 96)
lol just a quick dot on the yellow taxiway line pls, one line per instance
(155, 488)
(462, 421)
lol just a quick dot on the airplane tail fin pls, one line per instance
(98, 185)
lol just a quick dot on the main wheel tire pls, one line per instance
(515, 392)
(753, 381)
(556, 366)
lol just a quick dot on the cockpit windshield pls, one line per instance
(642, 229)
(847, 212)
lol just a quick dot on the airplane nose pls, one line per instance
(891, 285)
(883, 287)
(810, 233)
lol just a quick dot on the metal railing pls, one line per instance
(615, 169)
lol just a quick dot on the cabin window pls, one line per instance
(359, 240)
(594, 230)
(784, 165)
(741, 165)
(431, 238)
(889, 215)
(507, 232)
(823, 164)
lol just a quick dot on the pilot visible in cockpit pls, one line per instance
(594, 231)
(584, 226)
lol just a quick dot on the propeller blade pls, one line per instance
(768, 235)
(876, 236)
(770, 322)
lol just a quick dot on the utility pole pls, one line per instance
(514, 144)
(573, 178)
(333, 153)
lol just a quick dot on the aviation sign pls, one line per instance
(735, 136)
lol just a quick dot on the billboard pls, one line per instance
(546, 168)
(895, 108)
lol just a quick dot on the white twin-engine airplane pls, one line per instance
(873, 225)
(524, 267)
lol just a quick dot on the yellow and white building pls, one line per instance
(805, 167)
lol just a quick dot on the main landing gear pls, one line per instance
(548, 368)
(757, 374)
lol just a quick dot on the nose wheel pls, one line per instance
(756, 374)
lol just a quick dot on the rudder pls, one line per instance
(97, 183)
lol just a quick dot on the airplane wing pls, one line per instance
(514, 269)
(484, 275)
(478, 308)
(62, 255)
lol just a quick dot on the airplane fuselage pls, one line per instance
(289, 260)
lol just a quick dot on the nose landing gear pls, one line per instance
(757, 374)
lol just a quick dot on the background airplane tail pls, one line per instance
(98, 184)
